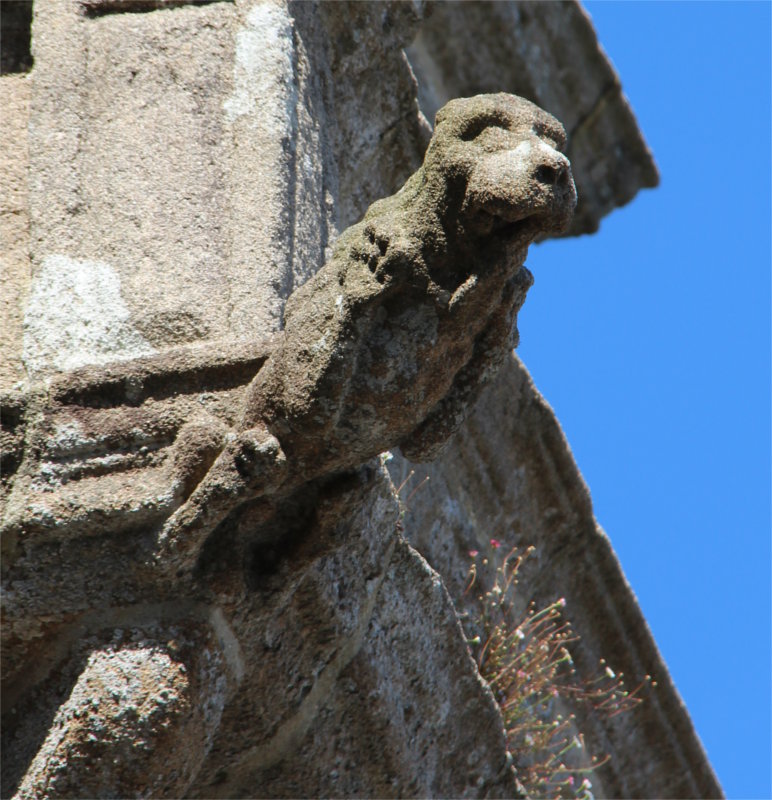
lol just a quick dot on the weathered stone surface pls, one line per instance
(377, 134)
(342, 668)
(314, 646)
(244, 117)
(14, 225)
(102, 449)
(137, 722)
(548, 53)
(509, 474)
(389, 344)
(127, 173)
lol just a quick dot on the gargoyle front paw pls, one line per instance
(258, 459)
(251, 465)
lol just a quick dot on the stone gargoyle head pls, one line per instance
(496, 159)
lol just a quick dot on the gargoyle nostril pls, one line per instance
(549, 174)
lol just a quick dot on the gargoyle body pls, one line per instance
(391, 342)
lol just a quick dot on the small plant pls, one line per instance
(529, 668)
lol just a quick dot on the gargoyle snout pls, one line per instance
(541, 175)
(556, 192)
(557, 173)
(531, 180)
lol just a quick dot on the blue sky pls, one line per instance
(651, 340)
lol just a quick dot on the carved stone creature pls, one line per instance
(114, 477)
(392, 341)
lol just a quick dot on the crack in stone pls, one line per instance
(585, 119)
(100, 8)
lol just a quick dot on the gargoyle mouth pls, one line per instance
(521, 225)
(510, 229)
(530, 226)
(520, 231)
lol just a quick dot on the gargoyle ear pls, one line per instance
(442, 115)
(453, 111)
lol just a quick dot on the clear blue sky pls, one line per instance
(651, 340)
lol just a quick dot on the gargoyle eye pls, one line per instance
(480, 125)
(493, 138)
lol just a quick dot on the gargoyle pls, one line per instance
(122, 472)
(393, 339)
